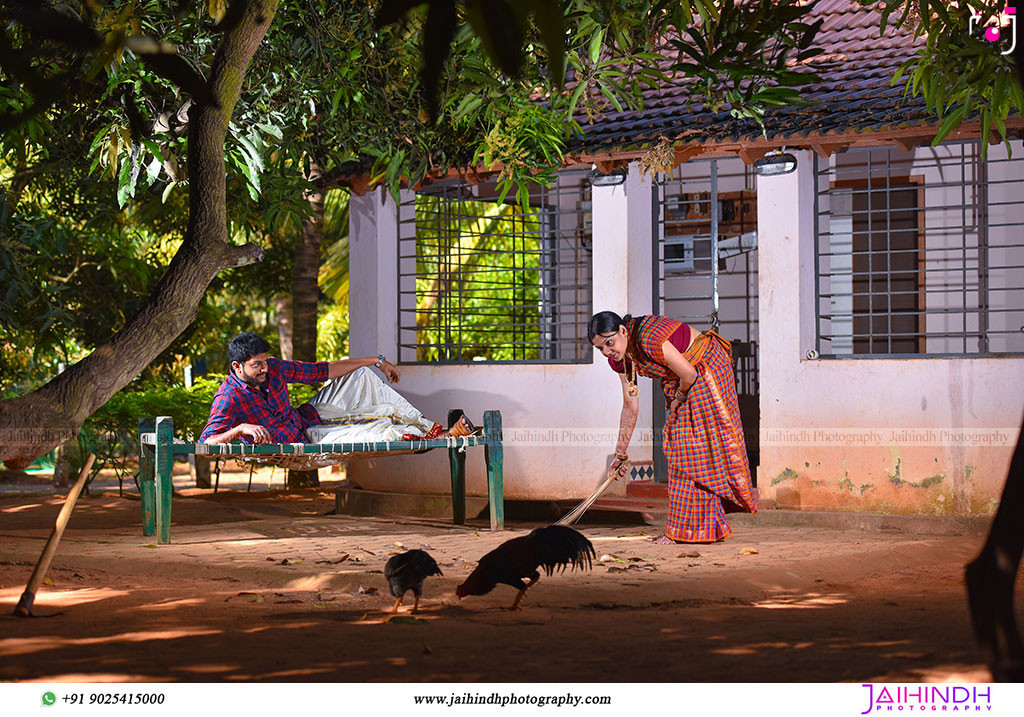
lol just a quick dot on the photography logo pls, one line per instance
(1001, 28)
(928, 698)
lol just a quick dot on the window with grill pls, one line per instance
(483, 280)
(920, 253)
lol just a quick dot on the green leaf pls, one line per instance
(167, 191)
(125, 188)
(594, 49)
(469, 104)
(252, 153)
(951, 122)
(271, 130)
(607, 92)
(153, 170)
(576, 93)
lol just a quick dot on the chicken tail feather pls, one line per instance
(563, 547)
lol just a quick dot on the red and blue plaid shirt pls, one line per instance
(237, 402)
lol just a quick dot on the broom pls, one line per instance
(576, 513)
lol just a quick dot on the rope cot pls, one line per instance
(158, 448)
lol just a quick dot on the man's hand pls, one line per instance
(390, 372)
(258, 434)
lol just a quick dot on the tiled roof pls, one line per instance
(854, 94)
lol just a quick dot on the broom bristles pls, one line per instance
(576, 513)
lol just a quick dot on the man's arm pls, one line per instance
(305, 372)
(347, 366)
(221, 428)
(258, 434)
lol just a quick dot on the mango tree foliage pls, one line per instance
(969, 67)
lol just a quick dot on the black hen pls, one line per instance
(553, 547)
(407, 571)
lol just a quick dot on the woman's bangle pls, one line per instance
(622, 456)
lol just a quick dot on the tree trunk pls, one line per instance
(305, 296)
(305, 271)
(285, 331)
(32, 425)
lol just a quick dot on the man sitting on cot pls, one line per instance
(252, 404)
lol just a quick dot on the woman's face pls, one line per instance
(612, 345)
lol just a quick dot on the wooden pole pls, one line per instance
(24, 608)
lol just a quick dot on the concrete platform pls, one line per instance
(648, 509)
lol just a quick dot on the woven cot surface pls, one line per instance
(312, 461)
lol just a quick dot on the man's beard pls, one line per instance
(257, 381)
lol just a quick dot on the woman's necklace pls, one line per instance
(631, 388)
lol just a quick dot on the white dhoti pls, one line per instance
(360, 407)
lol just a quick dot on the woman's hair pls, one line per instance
(605, 322)
(246, 345)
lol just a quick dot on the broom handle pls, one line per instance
(24, 607)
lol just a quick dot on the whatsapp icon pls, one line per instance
(49, 698)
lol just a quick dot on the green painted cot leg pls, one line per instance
(457, 463)
(147, 489)
(164, 466)
(493, 454)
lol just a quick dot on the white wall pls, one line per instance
(856, 433)
(560, 420)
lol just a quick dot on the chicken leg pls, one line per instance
(397, 603)
(416, 603)
(522, 593)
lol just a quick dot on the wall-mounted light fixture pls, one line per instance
(777, 162)
(609, 179)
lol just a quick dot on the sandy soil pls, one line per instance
(269, 586)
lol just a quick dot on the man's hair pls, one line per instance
(246, 345)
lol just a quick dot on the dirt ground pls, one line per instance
(270, 586)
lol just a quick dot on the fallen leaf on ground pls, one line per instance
(147, 545)
(749, 551)
(689, 554)
(333, 561)
(367, 591)
(398, 544)
(48, 581)
(607, 557)
(257, 597)
(404, 618)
